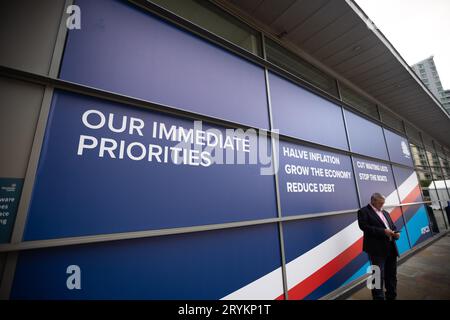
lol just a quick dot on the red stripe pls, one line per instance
(319, 277)
(411, 197)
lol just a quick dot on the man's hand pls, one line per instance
(391, 234)
(396, 235)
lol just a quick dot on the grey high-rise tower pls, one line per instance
(446, 100)
(426, 70)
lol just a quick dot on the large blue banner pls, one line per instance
(240, 263)
(365, 137)
(124, 49)
(304, 115)
(107, 168)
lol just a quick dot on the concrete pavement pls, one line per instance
(424, 276)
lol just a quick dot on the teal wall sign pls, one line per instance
(10, 190)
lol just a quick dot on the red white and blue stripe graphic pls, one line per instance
(323, 266)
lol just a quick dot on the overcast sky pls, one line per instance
(416, 28)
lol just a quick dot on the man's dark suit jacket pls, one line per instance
(375, 242)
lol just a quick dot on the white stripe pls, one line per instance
(299, 269)
(268, 287)
(304, 266)
(391, 199)
(407, 186)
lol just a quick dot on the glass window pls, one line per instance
(300, 68)
(413, 134)
(208, 16)
(418, 155)
(444, 162)
(425, 181)
(359, 102)
(391, 120)
(433, 159)
(436, 217)
(428, 141)
(438, 191)
(439, 150)
(445, 153)
(446, 171)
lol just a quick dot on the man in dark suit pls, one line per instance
(380, 235)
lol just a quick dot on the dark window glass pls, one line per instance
(428, 142)
(357, 101)
(300, 68)
(439, 150)
(413, 134)
(208, 16)
(391, 120)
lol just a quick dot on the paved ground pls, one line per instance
(424, 276)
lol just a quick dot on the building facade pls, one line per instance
(193, 150)
(446, 100)
(426, 70)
